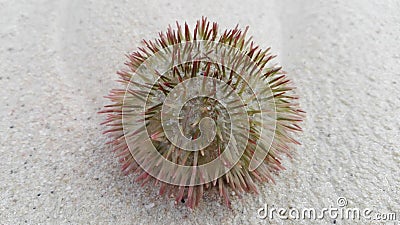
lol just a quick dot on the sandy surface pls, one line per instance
(58, 58)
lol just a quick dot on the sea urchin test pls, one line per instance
(199, 110)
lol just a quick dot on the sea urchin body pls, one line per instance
(201, 110)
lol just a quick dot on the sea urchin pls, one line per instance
(201, 110)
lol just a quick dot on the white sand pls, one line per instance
(58, 58)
